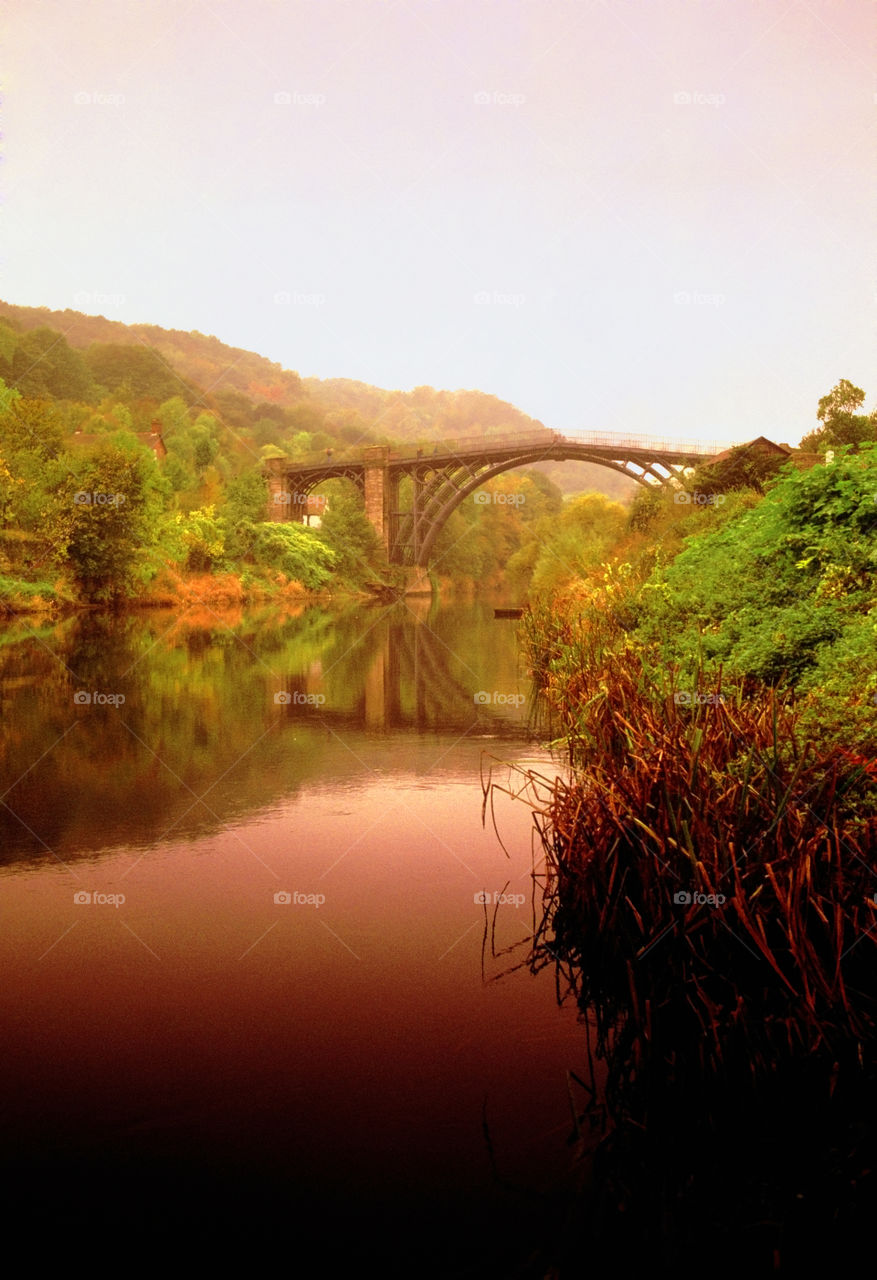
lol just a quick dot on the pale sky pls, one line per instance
(652, 216)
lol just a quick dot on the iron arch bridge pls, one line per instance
(444, 474)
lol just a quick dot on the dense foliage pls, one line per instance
(82, 419)
(711, 861)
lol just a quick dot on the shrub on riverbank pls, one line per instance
(711, 866)
(779, 591)
(19, 597)
(711, 900)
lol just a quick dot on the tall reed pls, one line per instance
(710, 895)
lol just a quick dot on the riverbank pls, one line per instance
(710, 901)
(232, 590)
(168, 591)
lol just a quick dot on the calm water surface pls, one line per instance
(242, 947)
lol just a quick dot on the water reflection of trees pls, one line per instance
(200, 705)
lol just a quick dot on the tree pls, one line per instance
(102, 516)
(135, 372)
(582, 536)
(32, 426)
(203, 536)
(204, 440)
(43, 365)
(841, 424)
(841, 402)
(296, 551)
(246, 500)
(346, 531)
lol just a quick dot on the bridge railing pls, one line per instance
(527, 440)
(547, 439)
(477, 444)
(661, 444)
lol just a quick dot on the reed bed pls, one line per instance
(710, 897)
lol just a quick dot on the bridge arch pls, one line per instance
(444, 477)
(433, 513)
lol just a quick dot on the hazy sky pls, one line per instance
(656, 215)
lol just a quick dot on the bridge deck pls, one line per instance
(556, 447)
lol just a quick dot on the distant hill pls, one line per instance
(424, 413)
(204, 361)
(197, 357)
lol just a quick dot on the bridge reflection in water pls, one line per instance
(269, 704)
(413, 671)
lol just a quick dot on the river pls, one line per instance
(246, 985)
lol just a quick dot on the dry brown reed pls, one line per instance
(709, 891)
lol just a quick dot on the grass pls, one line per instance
(735, 1028)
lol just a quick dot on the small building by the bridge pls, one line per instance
(760, 446)
(316, 508)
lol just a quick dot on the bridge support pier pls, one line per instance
(379, 490)
(278, 494)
